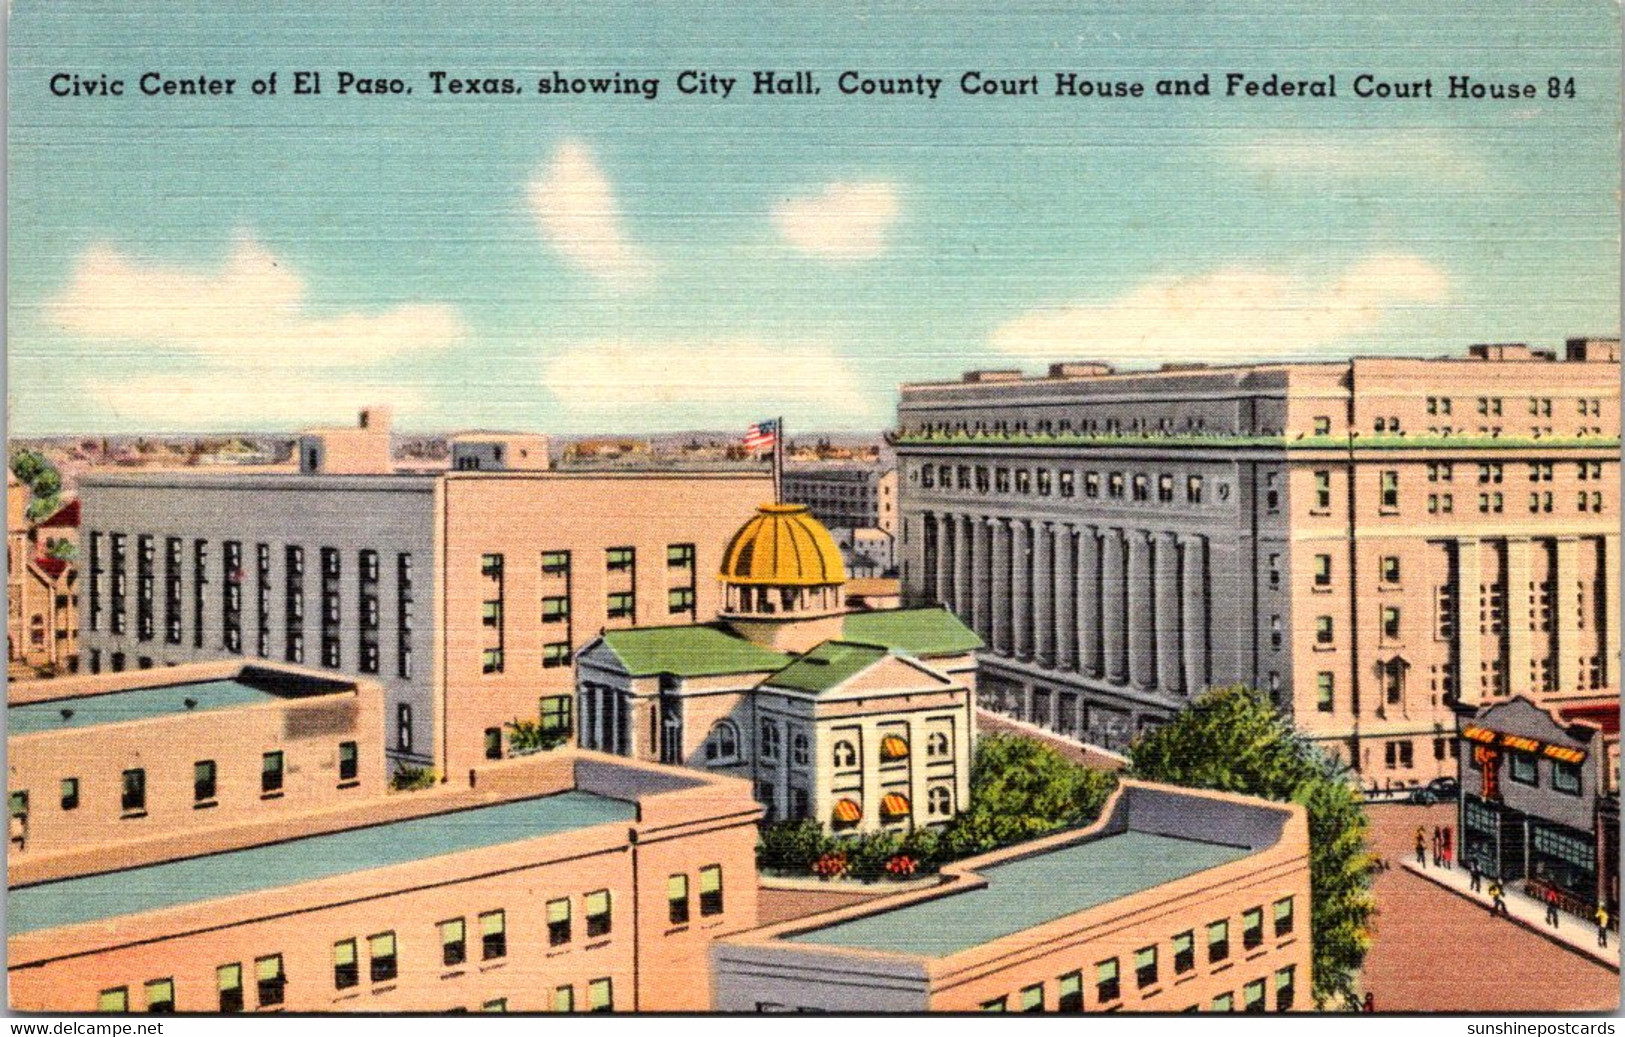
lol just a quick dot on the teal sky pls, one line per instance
(609, 263)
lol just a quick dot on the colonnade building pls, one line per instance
(1367, 541)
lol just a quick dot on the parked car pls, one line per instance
(1436, 790)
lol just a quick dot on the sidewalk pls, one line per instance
(1577, 934)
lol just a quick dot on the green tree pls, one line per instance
(1233, 740)
(27, 465)
(1021, 788)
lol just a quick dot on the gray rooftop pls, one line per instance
(136, 704)
(1028, 892)
(258, 868)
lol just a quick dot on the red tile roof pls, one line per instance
(66, 517)
(52, 567)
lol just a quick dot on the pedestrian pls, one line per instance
(1477, 875)
(1551, 906)
(1602, 926)
(1421, 846)
(1444, 855)
(1370, 1004)
(1438, 845)
(1498, 904)
(1449, 849)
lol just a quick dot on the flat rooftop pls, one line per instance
(255, 869)
(1028, 892)
(116, 707)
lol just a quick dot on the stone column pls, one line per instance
(1089, 601)
(1518, 615)
(1567, 614)
(963, 553)
(1002, 566)
(1021, 587)
(1194, 621)
(1065, 589)
(1608, 575)
(942, 573)
(1114, 605)
(1142, 661)
(1170, 675)
(982, 580)
(1469, 643)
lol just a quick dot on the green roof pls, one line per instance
(1025, 893)
(924, 631)
(827, 666)
(689, 651)
(134, 704)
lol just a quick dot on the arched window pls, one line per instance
(846, 755)
(799, 748)
(937, 744)
(722, 744)
(939, 801)
(770, 744)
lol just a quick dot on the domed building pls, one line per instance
(862, 719)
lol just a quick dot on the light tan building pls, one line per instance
(560, 882)
(861, 719)
(1174, 901)
(95, 760)
(466, 593)
(42, 622)
(1365, 541)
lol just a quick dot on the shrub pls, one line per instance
(409, 779)
(792, 846)
(530, 736)
(869, 852)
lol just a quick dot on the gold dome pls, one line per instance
(783, 546)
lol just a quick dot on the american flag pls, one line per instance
(762, 435)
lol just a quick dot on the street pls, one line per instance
(1434, 951)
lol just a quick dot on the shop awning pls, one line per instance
(893, 748)
(1558, 752)
(895, 805)
(1474, 733)
(847, 812)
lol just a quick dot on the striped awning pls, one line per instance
(847, 812)
(1474, 733)
(895, 805)
(893, 748)
(1558, 752)
(1519, 742)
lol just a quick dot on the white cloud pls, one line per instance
(845, 222)
(277, 396)
(705, 377)
(250, 310)
(1229, 315)
(576, 211)
(1323, 156)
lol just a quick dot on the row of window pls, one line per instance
(1493, 405)
(205, 785)
(1044, 482)
(1069, 988)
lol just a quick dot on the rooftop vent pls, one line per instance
(1080, 369)
(1592, 350)
(1004, 375)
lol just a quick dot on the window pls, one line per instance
(1325, 685)
(381, 951)
(1145, 967)
(1223, 1003)
(800, 748)
(1323, 426)
(1523, 769)
(453, 942)
(846, 755)
(1193, 489)
(1252, 928)
(70, 793)
(769, 748)
(1024, 481)
(680, 600)
(1390, 569)
(1252, 996)
(1069, 992)
(1323, 491)
(269, 979)
(203, 783)
(493, 935)
(558, 922)
(1001, 480)
(1218, 941)
(1284, 988)
(939, 801)
(597, 912)
(995, 1005)
(403, 727)
(1032, 998)
(160, 995)
(493, 743)
(564, 999)
(555, 563)
(271, 773)
(1323, 570)
(228, 980)
(499, 1005)
(1114, 485)
(555, 655)
(1390, 490)
(1069, 484)
(1390, 622)
(599, 996)
(1165, 487)
(1142, 487)
(346, 969)
(680, 556)
(1323, 630)
(491, 660)
(555, 609)
(115, 1000)
(1184, 952)
(619, 559)
(711, 890)
(1283, 916)
(134, 799)
(620, 605)
(1566, 777)
(1091, 484)
(677, 899)
(1106, 988)
(349, 761)
(722, 744)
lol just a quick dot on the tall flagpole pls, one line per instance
(778, 461)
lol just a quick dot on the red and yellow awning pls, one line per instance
(847, 812)
(893, 748)
(895, 805)
(1474, 733)
(1558, 752)
(1485, 736)
(1520, 743)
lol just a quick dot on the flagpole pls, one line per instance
(778, 462)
